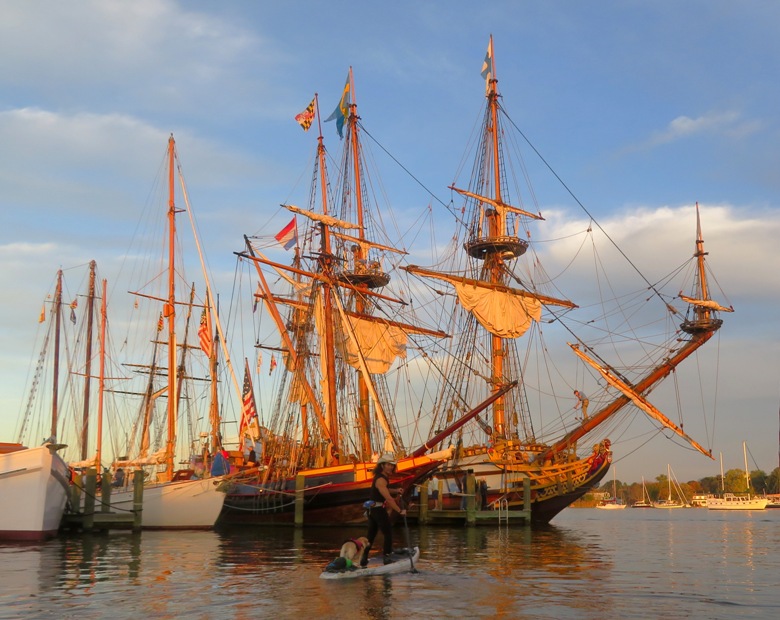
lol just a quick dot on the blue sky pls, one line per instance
(643, 108)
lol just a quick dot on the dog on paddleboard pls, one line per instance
(354, 549)
(352, 552)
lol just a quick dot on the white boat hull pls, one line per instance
(183, 504)
(735, 502)
(611, 506)
(34, 486)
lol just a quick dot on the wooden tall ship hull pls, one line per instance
(331, 495)
(34, 485)
(553, 486)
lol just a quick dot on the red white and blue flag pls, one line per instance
(288, 236)
(248, 407)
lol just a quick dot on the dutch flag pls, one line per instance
(288, 236)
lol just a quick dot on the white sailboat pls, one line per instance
(645, 501)
(670, 502)
(730, 501)
(612, 503)
(34, 489)
(34, 482)
(174, 498)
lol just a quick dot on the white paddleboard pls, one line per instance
(376, 566)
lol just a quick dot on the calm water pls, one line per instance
(589, 564)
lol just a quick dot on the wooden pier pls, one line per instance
(471, 516)
(94, 512)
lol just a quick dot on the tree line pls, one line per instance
(734, 481)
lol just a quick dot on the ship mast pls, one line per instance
(328, 348)
(169, 312)
(88, 361)
(493, 244)
(57, 310)
(364, 415)
(102, 375)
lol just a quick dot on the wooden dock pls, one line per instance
(94, 512)
(472, 516)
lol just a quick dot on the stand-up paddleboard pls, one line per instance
(376, 566)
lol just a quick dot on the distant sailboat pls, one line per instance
(612, 503)
(645, 501)
(670, 502)
(731, 501)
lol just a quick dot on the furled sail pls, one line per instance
(706, 303)
(320, 217)
(502, 314)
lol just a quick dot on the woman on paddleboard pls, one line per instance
(380, 503)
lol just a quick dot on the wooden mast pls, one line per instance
(88, 362)
(328, 347)
(493, 260)
(102, 375)
(169, 312)
(57, 310)
(364, 414)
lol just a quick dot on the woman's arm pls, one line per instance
(381, 485)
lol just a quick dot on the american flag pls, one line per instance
(204, 333)
(248, 408)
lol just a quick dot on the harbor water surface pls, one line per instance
(690, 563)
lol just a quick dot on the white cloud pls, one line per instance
(729, 123)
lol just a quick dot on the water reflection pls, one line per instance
(588, 566)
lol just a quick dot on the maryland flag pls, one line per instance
(42, 318)
(160, 323)
(306, 118)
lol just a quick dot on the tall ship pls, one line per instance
(340, 331)
(509, 320)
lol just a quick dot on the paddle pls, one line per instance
(409, 546)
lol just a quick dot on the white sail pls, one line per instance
(502, 314)
(380, 344)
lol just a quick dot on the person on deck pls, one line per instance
(220, 466)
(382, 503)
(119, 478)
(582, 401)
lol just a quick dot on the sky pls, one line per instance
(642, 108)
